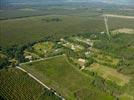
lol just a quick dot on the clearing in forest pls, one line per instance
(43, 48)
(109, 74)
(103, 58)
(123, 30)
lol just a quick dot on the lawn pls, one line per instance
(65, 78)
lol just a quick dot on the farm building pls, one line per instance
(81, 62)
(28, 57)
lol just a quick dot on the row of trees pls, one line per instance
(104, 85)
(17, 52)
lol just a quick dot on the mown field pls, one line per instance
(66, 79)
(17, 85)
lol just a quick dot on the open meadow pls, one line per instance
(65, 79)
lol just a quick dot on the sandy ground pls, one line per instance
(123, 30)
(119, 16)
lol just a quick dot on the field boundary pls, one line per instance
(33, 77)
(39, 60)
(119, 16)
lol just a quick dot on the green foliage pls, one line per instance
(107, 86)
(17, 85)
(3, 62)
(33, 28)
(121, 46)
(65, 78)
(92, 94)
(48, 95)
(90, 61)
(14, 52)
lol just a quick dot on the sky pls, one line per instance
(105, 1)
(126, 2)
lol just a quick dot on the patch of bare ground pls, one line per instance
(123, 30)
(119, 16)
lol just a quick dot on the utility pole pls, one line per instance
(106, 25)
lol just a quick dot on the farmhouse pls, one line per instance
(87, 53)
(28, 57)
(72, 47)
(102, 33)
(81, 62)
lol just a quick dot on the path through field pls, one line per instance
(39, 81)
(35, 77)
(38, 60)
(119, 16)
(106, 25)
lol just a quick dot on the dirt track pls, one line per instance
(119, 16)
(39, 82)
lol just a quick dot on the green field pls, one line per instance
(67, 80)
(126, 97)
(27, 29)
(109, 74)
(103, 58)
(17, 85)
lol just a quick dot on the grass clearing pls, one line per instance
(103, 58)
(43, 48)
(126, 97)
(123, 30)
(62, 76)
(109, 74)
(83, 40)
(34, 56)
